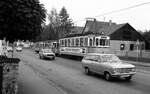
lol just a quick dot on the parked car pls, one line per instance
(19, 49)
(37, 49)
(108, 65)
(9, 49)
(46, 53)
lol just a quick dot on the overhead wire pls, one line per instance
(119, 10)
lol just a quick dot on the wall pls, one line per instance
(142, 54)
(115, 45)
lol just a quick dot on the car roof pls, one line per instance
(98, 54)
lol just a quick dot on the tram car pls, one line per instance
(83, 44)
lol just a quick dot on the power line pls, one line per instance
(123, 9)
(119, 10)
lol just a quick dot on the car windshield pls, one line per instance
(47, 50)
(110, 58)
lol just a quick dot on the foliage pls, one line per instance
(146, 34)
(59, 25)
(66, 23)
(21, 19)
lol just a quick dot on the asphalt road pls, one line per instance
(67, 77)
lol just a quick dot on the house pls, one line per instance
(123, 37)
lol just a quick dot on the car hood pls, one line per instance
(120, 65)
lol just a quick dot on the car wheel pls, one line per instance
(128, 78)
(87, 71)
(107, 76)
(53, 58)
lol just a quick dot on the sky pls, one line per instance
(78, 10)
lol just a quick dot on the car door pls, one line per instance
(100, 65)
(87, 61)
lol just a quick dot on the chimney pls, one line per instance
(110, 22)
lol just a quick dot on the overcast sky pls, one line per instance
(138, 17)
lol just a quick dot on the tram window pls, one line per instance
(97, 40)
(86, 42)
(107, 42)
(69, 43)
(81, 42)
(72, 42)
(91, 42)
(60, 42)
(102, 42)
(65, 42)
(77, 41)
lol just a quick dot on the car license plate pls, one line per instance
(125, 76)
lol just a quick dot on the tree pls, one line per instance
(21, 19)
(146, 34)
(51, 30)
(66, 23)
(59, 25)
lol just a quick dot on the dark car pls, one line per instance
(37, 49)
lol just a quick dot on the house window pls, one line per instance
(142, 47)
(122, 46)
(131, 47)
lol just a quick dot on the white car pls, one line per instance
(46, 54)
(18, 49)
(108, 65)
(9, 49)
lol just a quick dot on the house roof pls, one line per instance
(110, 29)
(96, 27)
(77, 29)
(99, 27)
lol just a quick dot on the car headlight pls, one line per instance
(116, 70)
(133, 69)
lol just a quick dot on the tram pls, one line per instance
(82, 44)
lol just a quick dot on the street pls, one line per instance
(65, 76)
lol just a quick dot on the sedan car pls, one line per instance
(108, 65)
(46, 53)
(18, 49)
(37, 49)
(9, 49)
